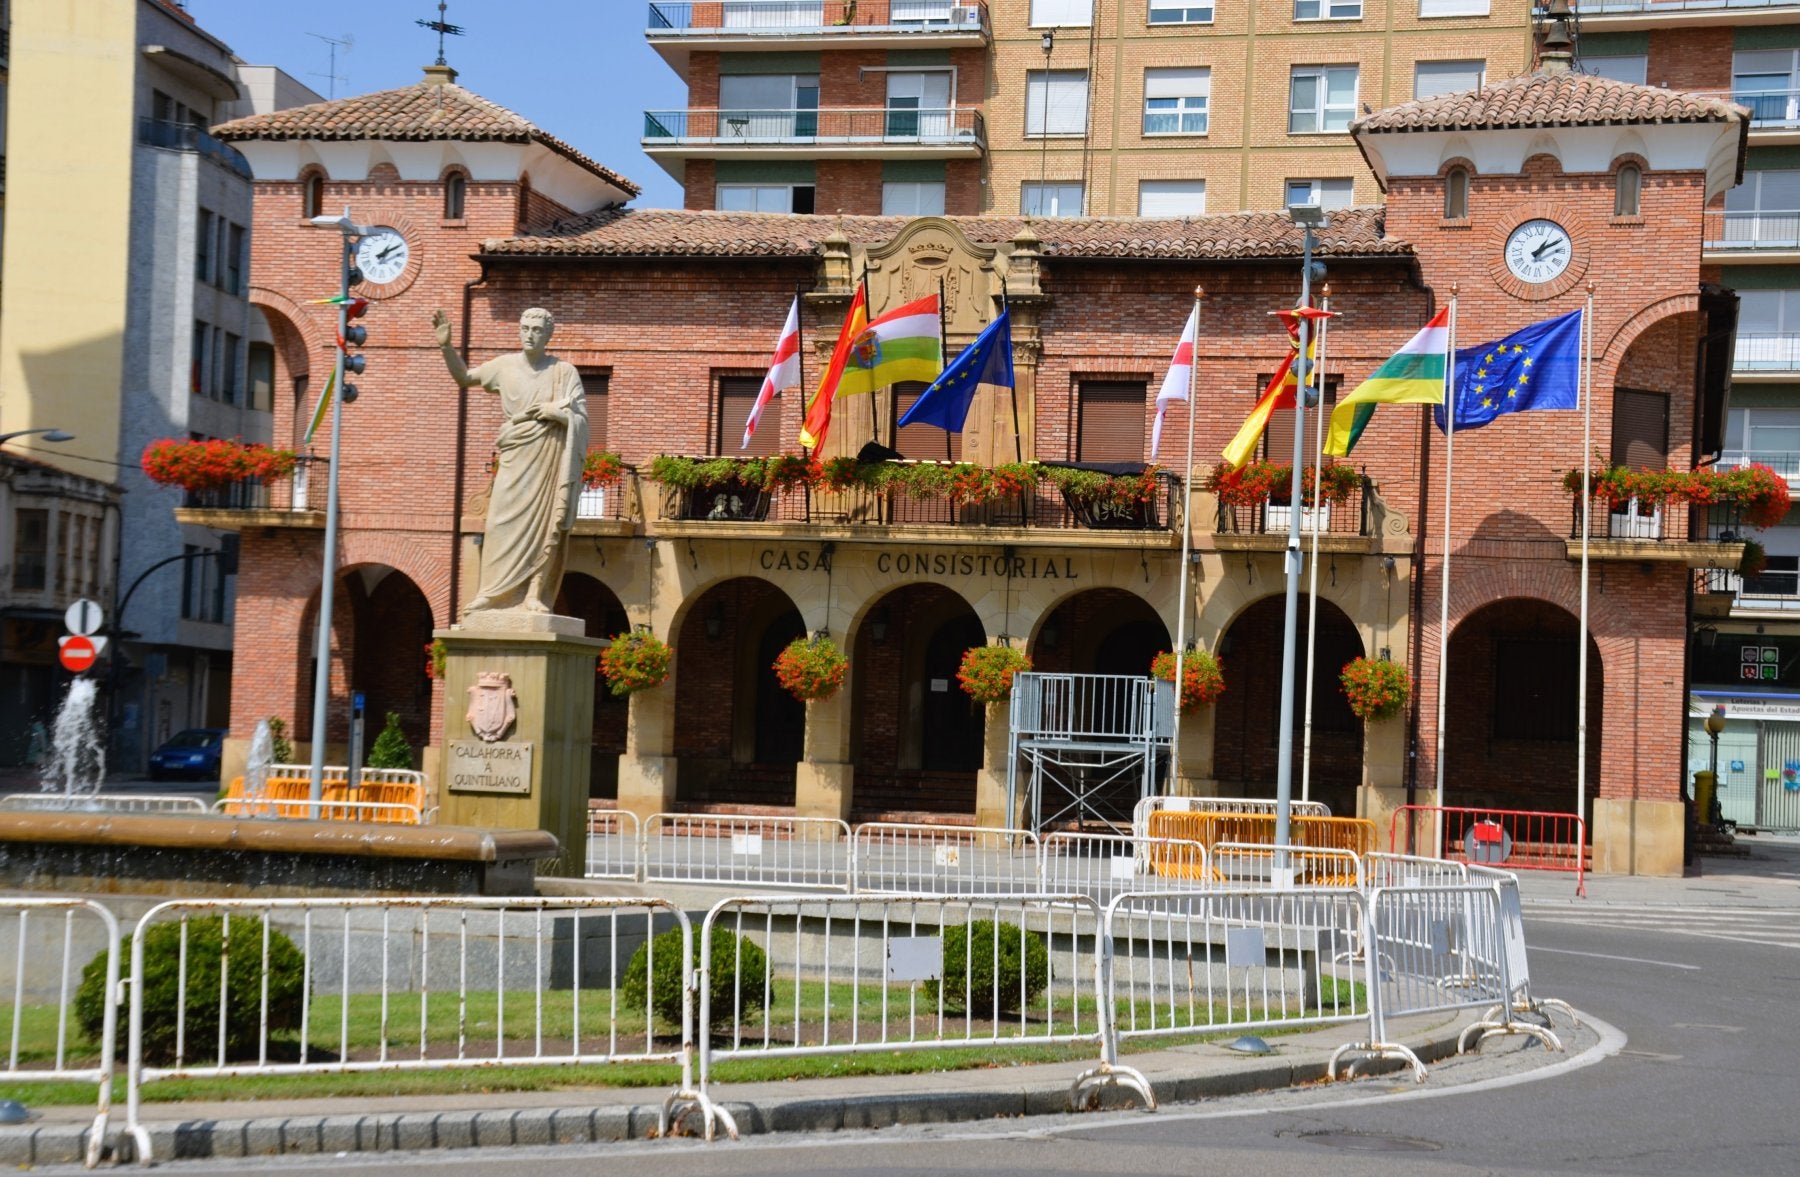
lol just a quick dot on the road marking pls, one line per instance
(1667, 964)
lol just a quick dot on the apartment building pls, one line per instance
(127, 319)
(1052, 107)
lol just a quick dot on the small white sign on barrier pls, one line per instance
(1124, 866)
(749, 845)
(1440, 937)
(947, 856)
(915, 958)
(1244, 948)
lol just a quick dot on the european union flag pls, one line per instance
(1536, 368)
(989, 360)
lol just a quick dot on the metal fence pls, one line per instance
(1101, 866)
(406, 984)
(388, 812)
(811, 852)
(1140, 817)
(105, 802)
(944, 860)
(1517, 839)
(613, 851)
(53, 943)
(1258, 864)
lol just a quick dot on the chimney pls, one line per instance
(1556, 53)
(439, 75)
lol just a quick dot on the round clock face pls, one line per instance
(382, 255)
(1538, 251)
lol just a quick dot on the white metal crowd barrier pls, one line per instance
(1408, 870)
(53, 941)
(612, 844)
(406, 984)
(262, 808)
(106, 802)
(1140, 814)
(1518, 962)
(849, 974)
(1256, 864)
(794, 852)
(1103, 865)
(899, 857)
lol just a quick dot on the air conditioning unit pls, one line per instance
(966, 16)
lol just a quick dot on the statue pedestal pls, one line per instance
(535, 775)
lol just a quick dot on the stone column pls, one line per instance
(647, 766)
(1383, 788)
(824, 778)
(1637, 837)
(533, 774)
(990, 780)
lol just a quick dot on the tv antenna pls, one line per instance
(331, 76)
(441, 27)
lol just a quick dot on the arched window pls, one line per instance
(524, 212)
(313, 195)
(456, 186)
(1628, 187)
(1456, 194)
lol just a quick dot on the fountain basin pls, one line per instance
(180, 855)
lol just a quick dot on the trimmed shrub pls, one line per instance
(732, 955)
(977, 971)
(391, 749)
(162, 969)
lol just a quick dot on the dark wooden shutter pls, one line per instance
(594, 382)
(921, 442)
(1278, 438)
(737, 396)
(1534, 689)
(1110, 427)
(1640, 436)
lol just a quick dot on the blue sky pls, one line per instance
(578, 68)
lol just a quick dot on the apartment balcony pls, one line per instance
(1736, 238)
(1766, 357)
(187, 137)
(1672, 532)
(241, 506)
(1774, 114)
(1625, 15)
(824, 133)
(1782, 462)
(676, 29)
(1771, 592)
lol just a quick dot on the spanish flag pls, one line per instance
(1414, 375)
(1278, 395)
(818, 410)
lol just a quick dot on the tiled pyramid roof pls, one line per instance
(1550, 100)
(661, 232)
(424, 111)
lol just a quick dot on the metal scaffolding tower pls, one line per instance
(1092, 743)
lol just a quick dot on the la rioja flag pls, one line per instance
(1175, 384)
(784, 370)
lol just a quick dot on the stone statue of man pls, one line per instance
(541, 447)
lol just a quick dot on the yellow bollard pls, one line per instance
(1704, 783)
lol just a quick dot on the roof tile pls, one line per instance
(1550, 100)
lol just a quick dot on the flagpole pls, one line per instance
(800, 354)
(943, 358)
(1587, 441)
(1187, 532)
(1312, 591)
(1444, 568)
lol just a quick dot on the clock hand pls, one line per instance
(1538, 252)
(382, 256)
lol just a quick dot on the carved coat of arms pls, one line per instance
(492, 705)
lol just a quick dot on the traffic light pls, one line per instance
(353, 336)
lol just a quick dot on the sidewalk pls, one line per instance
(1768, 875)
(226, 1130)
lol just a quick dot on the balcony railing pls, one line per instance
(1771, 589)
(1658, 523)
(1775, 351)
(1755, 230)
(1621, 7)
(187, 137)
(1350, 517)
(601, 502)
(1784, 462)
(1769, 109)
(946, 127)
(710, 17)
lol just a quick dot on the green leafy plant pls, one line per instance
(391, 749)
(1100, 489)
(437, 656)
(923, 480)
(739, 978)
(1202, 679)
(986, 673)
(1272, 482)
(1760, 495)
(1755, 560)
(163, 980)
(636, 661)
(991, 966)
(811, 668)
(1376, 687)
(280, 747)
(789, 472)
(700, 473)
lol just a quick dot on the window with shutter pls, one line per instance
(737, 396)
(1640, 438)
(920, 442)
(1110, 424)
(594, 382)
(1278, 438)
(1534, 689)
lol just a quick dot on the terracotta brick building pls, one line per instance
(671, 314)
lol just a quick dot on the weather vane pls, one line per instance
(441, 27)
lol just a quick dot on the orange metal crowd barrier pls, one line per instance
(1354, 835)
(386, 802)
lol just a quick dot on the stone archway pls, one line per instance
(585, 597)
(1100, 631)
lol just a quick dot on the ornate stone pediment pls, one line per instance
(930, 254)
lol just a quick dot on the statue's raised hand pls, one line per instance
(440, 323)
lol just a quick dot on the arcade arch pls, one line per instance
(600, 608)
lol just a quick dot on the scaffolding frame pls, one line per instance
(1080, 735)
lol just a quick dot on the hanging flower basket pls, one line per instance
(986, 673)
(1202, 679)
(1376, 687)
(636, 661)
(811, 668)
(436, 656)
(208, 465)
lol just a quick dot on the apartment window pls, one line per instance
(1175, 101)
(596, 383)
(228, 375)
(259, 371)
(1430, 8)
(215, 376)
(912, 198)
(1078, 13)
(1321, 98)
(920, 442)
(1327, 194)
(1764, 208)
(737, 396)
(1628, 187)
(1432, 78)
(1456, 194)
(1534, 689)
(764, 198)
(1328, 9)
(197, 359)
(1056, 102)
(1766, 80)
(456, 191)
(1180, 12)
(162, 107)
(1110, 422)
(1171, 198)
(203, 237)
(1050, 200)
(768, 106)
(918, 105)
(1624, 67)
(234, 260)
(31, 548)
(1640, 431)
(312, 200)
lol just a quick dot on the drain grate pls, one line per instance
(1367, 1142)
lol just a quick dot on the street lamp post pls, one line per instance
(1715, 724)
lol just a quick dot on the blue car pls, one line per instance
(191, 753)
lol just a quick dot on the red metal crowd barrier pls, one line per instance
(1519, 839)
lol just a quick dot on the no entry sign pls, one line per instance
(78, 654)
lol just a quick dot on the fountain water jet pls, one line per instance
(77, 764)
(256, 768)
